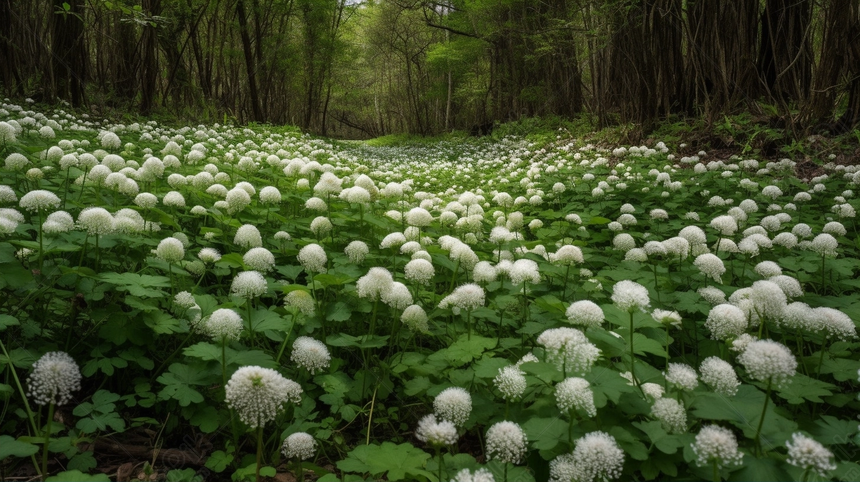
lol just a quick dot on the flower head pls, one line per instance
(436, 433)
(585, 313)
(356, 251)
(248, 236)
(249, 285)
(170, 250)
(630, 296)
(807, 453)
(720, 376)
(506, 442)
(767, 360)
(223, 324)
(480, 475)
(682, 376)
(465, 297)
(300, 445)
(301, 301)
(39, 200)
(575, 393)
(597, 457)
(453, 404)
(511, 382)
(259, 259)
(313, 258)
(715, 444)
(257, 394)
(310, 354)
(55, 376)
(726, 321)
(671, 414)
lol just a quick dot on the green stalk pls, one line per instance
(259, 450)
(632, 355)
(454, 278)
(821, 358)
(41, 249)
(20, 390)
(51, 407)
(250, 323)
(469, 324)
(716, 471)
(761, 421)
(286, 338)
(224, 360)
(439, 456)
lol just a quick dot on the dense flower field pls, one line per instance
(217, 303)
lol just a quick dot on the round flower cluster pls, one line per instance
(436, 433)
(715, 444)
(630, 296)
(223, 324)
(356, 251)
(415, 318)
(597, 457)
(257, 394)
(465, 297)
(671, 414)
(807, 453)
(170, 250)
(300, 445)
(39, 200)
(585, 313)
(453, 404)
(313, 258)
(300, 300)
(511, 382)
(710, 265)
(665, 317)
(58, 222)
(55, 376)
(720, 376)
(259, 259)
(310, 354)
(575, 393)
(682, 376)
(209, 255)
(419, 271)
(480, 475)
(768, 360)
(373, 284)
(248, 236)
(397, 296)
(249, 285)
(506, 442)
(568, 349)
(726, 321)
(95, 221)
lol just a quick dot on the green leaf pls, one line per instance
(546, 433)
(77, 476)
(416, 386)
(14, 448)
(178, 381)
(464, 350)
(218, 461)
(607, 384)
(7, 321)
(803, 388)
(339, 311)
(759, 469)
(488, 367)
(206, 351)
(251, 357)
(99, 414)
(161, 322)
(141, 285)
(834, 430)
(400, 462)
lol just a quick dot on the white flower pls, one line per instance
(453, 404)
(248, 236)
(39, 200)
(259, 259)
(419, 271)
(825, 245)
(300, 300)
(397, 296)
(506, 442)
(392, 240)
(836, 323)
(310, 354)
(511, 382)
(597, 457)
(623, 242)
(630, 296)
(95, 221)
(356, 251)
(480, 475)
(524, 270)
(209, 255)
(720, 376)
(807, 453)
(300, 445)
(415, 318)
(682, 376)
(465, 297)
(436, 433)
(321, 226)
(313, 258)
(726, 321)
(55, 376)
(223, 324)
(257, 394)
(769, 299)
(58, 222)
(374, 283)
(249, 285)
(671, 414)
(726, 225)
(585, 313)
(710, 265)
(767, 360)
(575, 393)
(716, 444)
(568, 349)
(170, 250)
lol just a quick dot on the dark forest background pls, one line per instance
(361, 69)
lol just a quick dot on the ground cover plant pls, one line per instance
(226, 303)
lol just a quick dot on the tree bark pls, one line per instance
(249, 60)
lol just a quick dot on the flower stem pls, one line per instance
(259, 450)
(20, 390)
(761, 420)
(51, 407)
(716, 471)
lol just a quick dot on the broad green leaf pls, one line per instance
(803, 388)
(464, 350)
(77, 476)
(14, 448)
(399, 462)
(206, 351)
(7, 321)
(178, 381)
(607, 384)
(141, 285)
(218, 461)
(547, 433)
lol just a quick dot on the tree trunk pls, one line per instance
(249, 60)
(785, 56)
(69, 56)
